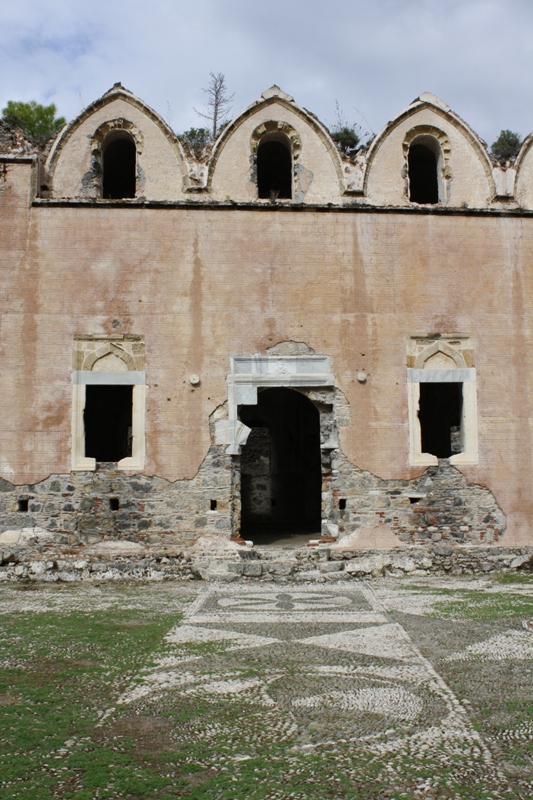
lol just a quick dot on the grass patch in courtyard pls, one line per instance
(60, 671)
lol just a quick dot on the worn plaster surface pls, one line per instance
(202, 270)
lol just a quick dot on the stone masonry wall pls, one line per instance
(439, 506)
(151, 509)
(35, 560)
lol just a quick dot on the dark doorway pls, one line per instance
(274, 171)
(423, 180)
(281, 477)
(440, 411)
(107, 419)
(119, 169)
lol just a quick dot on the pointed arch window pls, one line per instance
(424, 168)
(119, 166)
(274, 167)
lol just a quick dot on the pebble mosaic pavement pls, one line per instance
(330, 670)
(340, 683)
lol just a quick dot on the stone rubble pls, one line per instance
(34, 554)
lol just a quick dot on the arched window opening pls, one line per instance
(423, 174)
(274, 170)
(119, 168)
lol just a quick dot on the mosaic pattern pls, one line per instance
(413, 688)
(321, 668)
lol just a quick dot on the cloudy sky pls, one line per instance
(372, 56)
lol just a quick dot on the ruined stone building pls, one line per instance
(273, 339)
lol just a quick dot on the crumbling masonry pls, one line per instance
(274, 340)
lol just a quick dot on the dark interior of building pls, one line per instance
(280, 467)
(274, 171)
(440, 412)
(108, 419)
(423, 180)
(119, 169)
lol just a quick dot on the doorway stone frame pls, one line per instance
(250, 373)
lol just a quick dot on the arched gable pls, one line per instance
(465, 169)
(524, 174)
(317, 165)
(73, 167)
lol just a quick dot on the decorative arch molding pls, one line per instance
(440, 347)
(108, 349)
(446, 114)
(112, 129)
(275, 96)
(276, 127)
(527, 145)
(116, 126)
(428, 130)
(118, 92)
(444, 170)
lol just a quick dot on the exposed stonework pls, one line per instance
(15, 142)
(36, 560)
(439, 506)
(186, 298)
(150, 509)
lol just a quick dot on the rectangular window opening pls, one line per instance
(114, 503)
(342, 503)
(22, 504)
(213, 505)
(440, 414)
(108, 422)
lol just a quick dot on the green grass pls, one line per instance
(63, 670)
(513, 577)
(480, 606)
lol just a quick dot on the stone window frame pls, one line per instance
(461, 374)
(280, 131)
(111, 129)
(80, 378)
(438, 142)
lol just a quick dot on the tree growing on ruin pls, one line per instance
(196, 140)
(347, 136)
(506, 145)
(218, 105)
(37, 121)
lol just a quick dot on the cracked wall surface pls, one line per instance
(440, 506)
(198, 289)
(200, 271)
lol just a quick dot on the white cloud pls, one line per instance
(375, 57)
